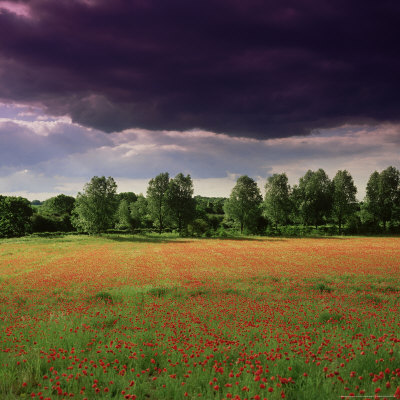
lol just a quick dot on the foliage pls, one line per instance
(58, 206)
(344, 197)
(180, 202)
(210, 205)
(129, 197)
(382, 199)
(198, 227)
(277, 204)
(123, 216)
(244, 203)
(43, 223)
(313, 197)
(209, 216)
(54, 215)
(95, 208)
(157, 200)
(140, 213)
(15, 213)
(215, 220)
(170, 206)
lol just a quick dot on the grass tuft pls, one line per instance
(323, 288)
(233, 291)
(104, 296)
(159, 291)
(326, 316)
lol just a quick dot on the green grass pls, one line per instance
(142, 304)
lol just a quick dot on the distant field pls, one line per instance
(165, 318)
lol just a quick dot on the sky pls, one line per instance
(215, 89)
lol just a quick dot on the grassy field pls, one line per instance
(164, 318)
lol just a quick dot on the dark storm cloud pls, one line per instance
(251, 68)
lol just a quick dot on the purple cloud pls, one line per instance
(255, 68)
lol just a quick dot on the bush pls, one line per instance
(119, 231)
(289, 230)
(222, 233)
(41, 223)
(215, 220)
(15, 216)
(198, 227)
(326, 230)
(51, 223)
(301, 231)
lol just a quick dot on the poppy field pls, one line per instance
(151, 317)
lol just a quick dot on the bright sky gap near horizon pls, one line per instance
(214, 89)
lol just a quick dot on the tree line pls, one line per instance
(316, 204)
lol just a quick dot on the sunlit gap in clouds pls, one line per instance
(20, 9)
(42, 154)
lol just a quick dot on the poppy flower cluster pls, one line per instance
(99, 318)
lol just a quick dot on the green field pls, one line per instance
(158, 317)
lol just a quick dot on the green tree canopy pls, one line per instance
(157, 200)
(371, 204)
(54, 214)
(181, 204)
(130, 197)
(58, 206)
(277, 203)
(123, 216)
(314, 197)
(94, 210)
(140, 212)
(15, 216)
(383, 194)
(210, 205)
(243, 205)
(344, 197)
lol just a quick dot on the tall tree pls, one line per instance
(372, 198)
(140, 212)
(180, 201)
(277, 199)
(314, 196)
(15, 216)
(157, 199)
(58, 206)
(244, 203)
(344, 197)
(58, 212)
(123, 216)
(390, 193)
(383, 194)
(94, 209)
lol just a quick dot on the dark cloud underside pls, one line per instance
(255, 68)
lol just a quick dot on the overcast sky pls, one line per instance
(215, 89)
